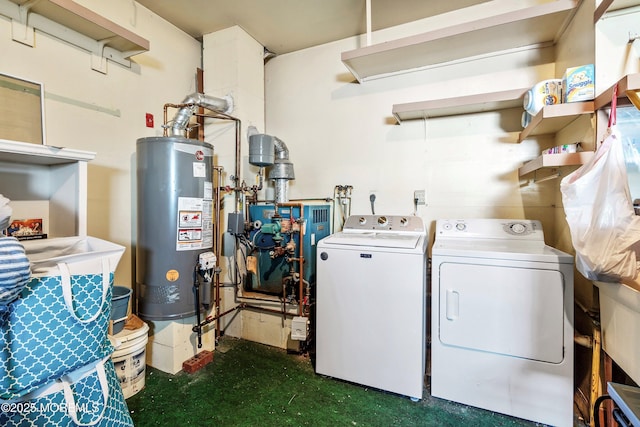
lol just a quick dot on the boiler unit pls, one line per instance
(175, 225)
(274, 261)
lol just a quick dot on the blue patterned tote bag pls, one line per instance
(89, 396)
(60, 320)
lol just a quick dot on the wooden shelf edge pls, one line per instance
(611, 5)
(563, 113)
(102, 22)
(556, 160)
(601, 10)
(630, 82)
(467, 104)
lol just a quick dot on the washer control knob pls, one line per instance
(518, 228)
(446, 226)
(461, 226)
(362, 220)
(404, 221)
(382, 220)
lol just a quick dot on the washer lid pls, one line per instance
(372, 239)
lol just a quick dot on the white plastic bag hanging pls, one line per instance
(605, 231)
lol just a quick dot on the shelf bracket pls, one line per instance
(98, 60)
(21, 32)
(537, 180)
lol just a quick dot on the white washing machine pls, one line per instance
(371, 303)
(502, 319)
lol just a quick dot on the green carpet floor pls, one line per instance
(250, 384)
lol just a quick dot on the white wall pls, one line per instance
(88, 110)
(341, 132)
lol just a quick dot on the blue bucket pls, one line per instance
(119, 307)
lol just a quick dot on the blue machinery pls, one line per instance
(279, 261)
(178, 225)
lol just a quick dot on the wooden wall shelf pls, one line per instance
(630, 82)
(75, 24)
(556, 160)
(459, 105)
(552, 118)
(524, 27)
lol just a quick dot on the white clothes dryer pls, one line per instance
(371, 303)
(502, 319)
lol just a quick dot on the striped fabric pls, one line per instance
(15, 270)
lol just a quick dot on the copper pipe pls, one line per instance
(210, 319)
(237, 172)
(165, 126)
(216, 242)
(236, 178)
(301, 256)
(266, 310)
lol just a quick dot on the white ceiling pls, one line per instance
(284, 26)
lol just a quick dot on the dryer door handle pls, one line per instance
(453, 304)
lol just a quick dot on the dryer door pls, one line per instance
(506, 310)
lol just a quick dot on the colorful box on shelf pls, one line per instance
(26, 229)
(579, 83)
(566, 148)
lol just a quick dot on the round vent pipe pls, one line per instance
(181, 119)
(268, 150)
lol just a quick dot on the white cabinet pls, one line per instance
(46, 182)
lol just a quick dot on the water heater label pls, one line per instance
(199, 170)
(194, 224)
(208, 190)
(190, 219)
(172, 275)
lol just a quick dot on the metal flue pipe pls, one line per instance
(181, 119)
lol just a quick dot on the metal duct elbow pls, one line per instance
(267, 150)
(281, 150)
(181, 119)
(282, 168)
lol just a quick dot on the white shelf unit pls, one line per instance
(535, 25)
(75, 24)
(555, 161)
(611, 5)
(46, 182)
(551, 118)
(459, 105)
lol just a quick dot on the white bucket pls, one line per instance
(129, 359)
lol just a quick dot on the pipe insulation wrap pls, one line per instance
(282, 190)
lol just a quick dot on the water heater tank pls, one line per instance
(174, 223)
